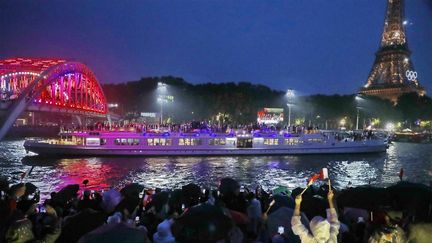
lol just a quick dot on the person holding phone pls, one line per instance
(323, 230)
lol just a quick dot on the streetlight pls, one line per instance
(290, 96)
(163, 98)
(358, 99)
(357, 119)
(161, 101)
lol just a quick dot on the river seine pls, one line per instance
(168, 172)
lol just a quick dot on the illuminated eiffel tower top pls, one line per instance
(394, 31)
(393, 72)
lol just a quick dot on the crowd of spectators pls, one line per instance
(229, 213)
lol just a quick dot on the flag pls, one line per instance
(323, 174)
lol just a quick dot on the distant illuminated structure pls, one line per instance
(47, 84)
(270, 116)
(393, 72)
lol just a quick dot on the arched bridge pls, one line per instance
(55, 85)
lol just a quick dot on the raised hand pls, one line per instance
(330, 195)
(298, 199)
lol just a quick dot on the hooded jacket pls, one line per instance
(323, 230)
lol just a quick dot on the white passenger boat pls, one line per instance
(202, 143)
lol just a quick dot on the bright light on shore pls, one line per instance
(290, 93)
(390, 126)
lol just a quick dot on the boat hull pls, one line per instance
(59, 150)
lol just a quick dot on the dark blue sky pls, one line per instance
(313, 46)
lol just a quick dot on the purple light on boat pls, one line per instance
(257, 134)
(287, 135)
(230, 135)
(166, 134)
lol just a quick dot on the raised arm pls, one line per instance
(332, 217)
(297, 227)
(330, 196)
(298, 201)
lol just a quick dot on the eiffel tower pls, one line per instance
(393, 72)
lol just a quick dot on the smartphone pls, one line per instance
(281, 229)
(242, 189)
(137, 220)
(41, 209)
(183, 207)
(203, 191)
(141, 194)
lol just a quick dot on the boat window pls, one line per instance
(244, 143)
(103, 141)
(316, 140)
(159, 142)
(291, 141)
(79, 140)
(217, 141)
(92, 141)
(189, 141)
(126, 141)
(271, 141)
(231, 141)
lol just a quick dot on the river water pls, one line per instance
(168, 172)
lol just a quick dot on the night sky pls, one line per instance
(313, 46)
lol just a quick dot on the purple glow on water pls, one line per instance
(273, 164)
(168, 172)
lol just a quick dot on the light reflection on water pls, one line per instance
(268, 171)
